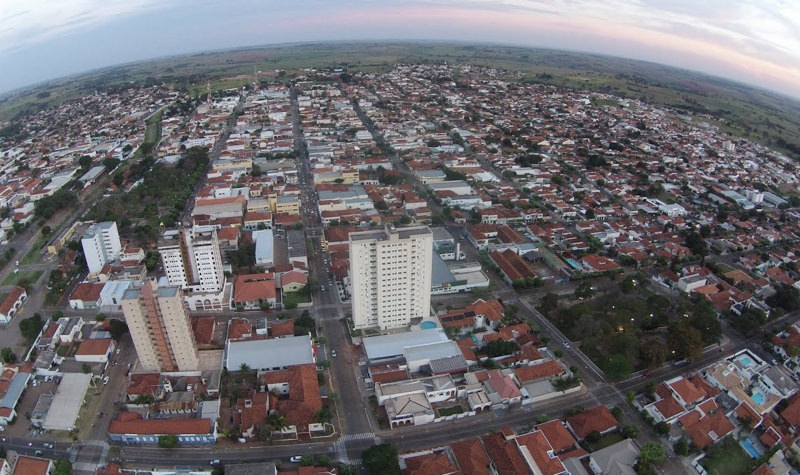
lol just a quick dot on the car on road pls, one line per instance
(37, 452)
(214, 462)
(333, 353)
(566, 344)
(295, 459)
(47, 445)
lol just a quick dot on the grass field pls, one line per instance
(15, 278)
(741, 109)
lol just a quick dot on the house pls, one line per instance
(471, 457)
(706, 424)
(250, 291)
(618, 458)
(26, 465)
(130, 428)
(86, 296)
(597, 419)
(11, 304)
(293, 281)
(428, 463)
(13, 381)
(95, 351)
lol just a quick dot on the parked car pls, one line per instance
(295, 459)
(47, 445)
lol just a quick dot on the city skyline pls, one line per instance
(753, 42)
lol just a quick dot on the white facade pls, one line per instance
(101, 245)
(391, 276)
(192, 259)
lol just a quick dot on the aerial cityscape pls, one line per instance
(363, 256)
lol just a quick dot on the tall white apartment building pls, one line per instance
(160, 328)
(192, 259)
(390, 270)
(101, 245)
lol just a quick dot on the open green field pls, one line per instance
(761, 115)
(15, 278)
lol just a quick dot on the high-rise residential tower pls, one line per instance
(101, 245)
(390, 270)
(160, 328)
(192, 259)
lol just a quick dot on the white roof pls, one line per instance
(67, 402)
(395, 344)
(276, 353)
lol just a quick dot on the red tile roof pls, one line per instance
(471, 457)
(11, 299)
(253, 287)
(281, 328)
(536, 372)
(505, 455)
(429, 464)
(597, 419)
(791, 413)
(87, 292)
(124, 425)
(539, 447)
(97, 347)
(559, 437)
(31, 466)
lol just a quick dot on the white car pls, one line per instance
(295, 459)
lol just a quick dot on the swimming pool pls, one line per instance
(758, 398)
(427, 325)
(746, 361)
(747, 445)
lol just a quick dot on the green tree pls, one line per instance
(630, 432)
(168, 441)
(681, 447)
(306, 461)
(62, 467)
(684, 341)
(617, 366)
(652, 352)
(118, 328)
(31, 326)
(651, 453)
(8, 355)
(381, 460)
(594, 437)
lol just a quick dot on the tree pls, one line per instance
(651, 453)
(594, 437)
(244, 368)
(306, 461)
(31, 326)
(62, 467)
(110, 163)
(168, 441)
(8, 355)
(630, 432)
(381, 459)
(662, 428)
(118, 328)
(681, 447)
(653, 353)
(684, 341)
(46, 230)
(323, 460)
(617, 366)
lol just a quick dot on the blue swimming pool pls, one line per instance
(427, 325)
(747, 445)
(757, 398)
(746, 361)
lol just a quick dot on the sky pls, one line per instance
(752, 41)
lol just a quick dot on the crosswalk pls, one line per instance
(362, 436)
(340, 446)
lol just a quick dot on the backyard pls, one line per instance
(727, 458)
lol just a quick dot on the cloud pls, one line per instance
(29, 22)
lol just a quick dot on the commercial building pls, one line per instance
(391, 276)
(265, 251)
(269, 355)
(101, 245)
(192, 259)
(160, 328)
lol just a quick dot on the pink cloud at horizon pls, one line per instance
(560, 32)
